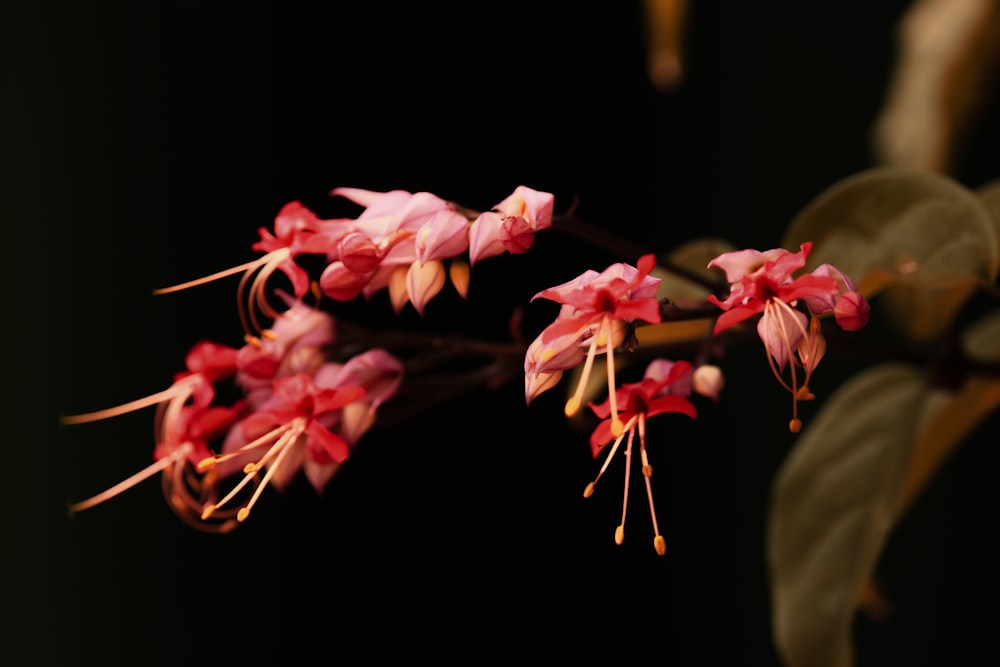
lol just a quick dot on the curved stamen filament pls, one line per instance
(183, 387)
(249, 302)
(263, 267)
(775, 304)
(144, 474)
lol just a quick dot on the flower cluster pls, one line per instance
(599, 312)
(298, 411)
(399, 242)
(306, 398)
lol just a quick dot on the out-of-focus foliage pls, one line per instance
(921, 239)
(832, 508)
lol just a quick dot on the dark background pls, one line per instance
(148, 142)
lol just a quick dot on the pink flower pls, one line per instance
(291, 429)
(185, 419)
(297, 342)
(761, 283)
(297, 231)
(511, 225)
(595, 308)
(849, 307)
(308, 424)
(663, 389)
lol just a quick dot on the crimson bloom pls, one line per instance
(290, 429)
(761, 283)
(185, 422)
(595, 308)
(664, 388)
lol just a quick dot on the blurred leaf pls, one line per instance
(923, 238)
(692, 257)
(989, 194)
(951, 416)
(831, 509)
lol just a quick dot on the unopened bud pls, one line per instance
(707, 380)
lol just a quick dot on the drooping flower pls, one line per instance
(664, 388)
(761, 283)
(296, 232)
(290, 429)
(309, 423)
(595, 309)
(185, 420)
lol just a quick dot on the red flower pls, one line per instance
(663, 389)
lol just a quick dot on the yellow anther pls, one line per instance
(249, 468)
(619, 534)
(207, 512)
(206, 463)
(268, 334)
(242, 514)
(251, 340)
(573, 406)
(660, 544)
(617, 427)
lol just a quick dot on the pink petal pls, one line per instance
(445, 235)
(852, 311)
(534, 206)
(484, 237)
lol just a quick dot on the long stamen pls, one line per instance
(617, 428)
(282, 437)
(574, 402)
(242, 268)
(647, 472)
(255, 295)
(769, 312)
(265, 439)
(620, 530)
(182, 386)
(144, 474)
(290, 439)
(795, 425)
(589, 491)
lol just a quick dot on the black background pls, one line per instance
(149, 141)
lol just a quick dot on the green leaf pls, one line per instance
(920, 228)
(925, 240)
(831, 509)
